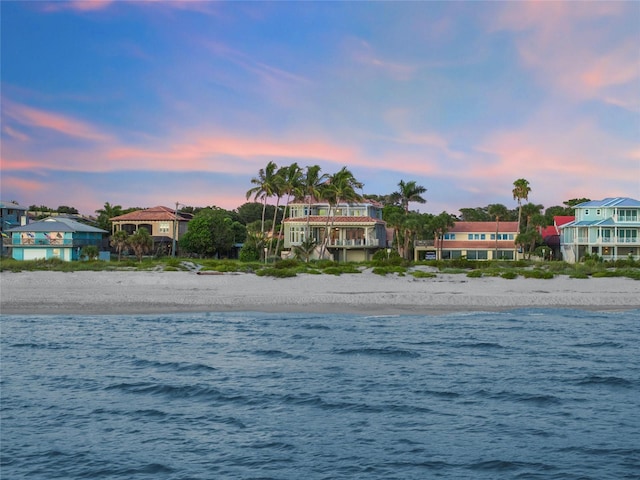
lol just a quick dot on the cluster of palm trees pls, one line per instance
(140, 242)
(292, 182)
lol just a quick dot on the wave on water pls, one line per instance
(530, 393)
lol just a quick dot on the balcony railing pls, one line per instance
(66, 242)
(606, 240)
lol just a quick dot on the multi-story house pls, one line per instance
(164, 224)
(351, 231)
(54, 237)
(479, 241)
(551, 236)
(11, 215)
(609, 228)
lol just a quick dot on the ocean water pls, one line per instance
(526, 394)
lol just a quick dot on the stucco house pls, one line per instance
(609, 228)
(163, 224)
(355, 230)
(478, 241)
(54, 237)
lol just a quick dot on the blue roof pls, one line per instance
(610, 202)
(57, 224)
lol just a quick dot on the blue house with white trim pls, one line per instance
(609, 228)
(54, 237)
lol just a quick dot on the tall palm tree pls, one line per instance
(291, 187)
(266, 186)
(521, 190)
(340, 187)
(499, 212)
(312, 183)
(442, 223)
(141, 242)
(409, 192)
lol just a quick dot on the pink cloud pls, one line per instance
(33, 117)
(562, 43)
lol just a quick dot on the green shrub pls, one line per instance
(475, 274)
(389, 269)
(421, 274)
(276, 272)
(578, 274)
(509, 275)
(288, 263)
(537, 274)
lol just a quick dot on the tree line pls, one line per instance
(257, 224)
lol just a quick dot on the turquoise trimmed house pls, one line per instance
(609, 228)
(54, 237)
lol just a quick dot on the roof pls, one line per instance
(12, 206)
(563, 219)
(151, 214)
(482, 227)
(57, 224)
(610, 202)
(340, 219)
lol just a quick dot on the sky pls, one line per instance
(151, 103)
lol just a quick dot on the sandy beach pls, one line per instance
(137, 292)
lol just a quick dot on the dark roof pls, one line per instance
(12, 206)
(57, 224)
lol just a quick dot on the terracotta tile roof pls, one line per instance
(322, 219)
(483, 227)
(150, 214)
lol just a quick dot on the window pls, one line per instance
(164, 227)
(449, 236)
(477, 236)
(628, 215)
(628, 235)
(296, 234)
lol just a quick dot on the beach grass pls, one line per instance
(395, 266)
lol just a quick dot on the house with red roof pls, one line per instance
(480, 241)
(351, 232)
(551, 236)
(163, 224)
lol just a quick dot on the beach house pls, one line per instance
(609, 228)
(11, 215)
(479, 241)
(54, 237)
(163, 224)
(351, 232)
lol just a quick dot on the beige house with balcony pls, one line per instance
(479, 241)
(163, 224)
(352, 232)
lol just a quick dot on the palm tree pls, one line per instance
(340, 187)
(408, 192)
(499, 212)
(442, 223)
(119, 241)
(106, 213)
(265, 184)
(305, 249)
(141, 242)
(312, 182)
(521, 190)
(291, 187)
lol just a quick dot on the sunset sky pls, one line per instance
(151, 103)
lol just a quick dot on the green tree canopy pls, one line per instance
(212, 231)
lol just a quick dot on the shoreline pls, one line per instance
(122, 292)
